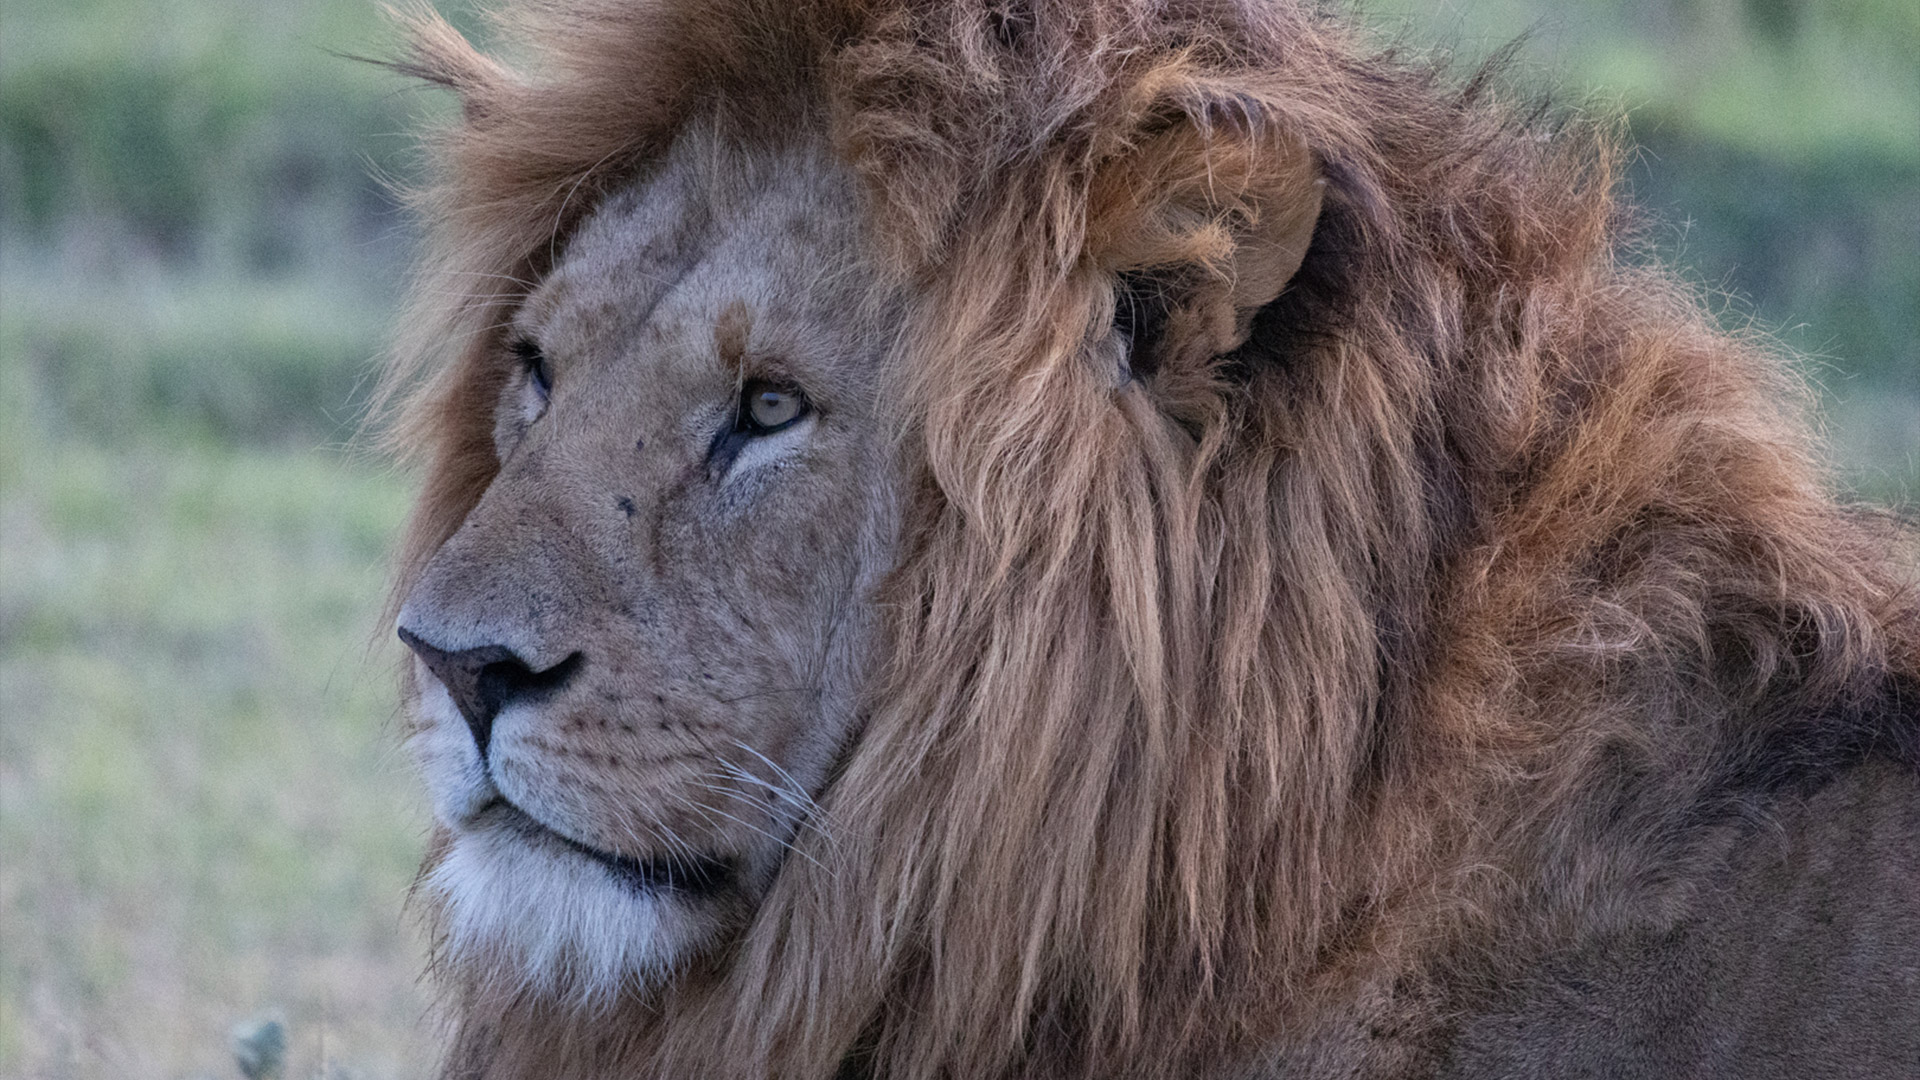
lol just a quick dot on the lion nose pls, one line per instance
(486, 679)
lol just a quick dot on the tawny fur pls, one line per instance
(1354, 650)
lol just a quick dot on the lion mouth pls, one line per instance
(692, 876)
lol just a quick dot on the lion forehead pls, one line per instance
(704, 246)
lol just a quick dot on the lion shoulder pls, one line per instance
(1800, 928)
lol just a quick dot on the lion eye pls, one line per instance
(535, 363)
(766, 408)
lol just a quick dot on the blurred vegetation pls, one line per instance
(195, 239)
(202, 809)
(202, 815)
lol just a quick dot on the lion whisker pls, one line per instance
(665, 834)
(786, 844)
(791, 791)
(520, 281)
(798, 800)
(797, 787)
(808, 814)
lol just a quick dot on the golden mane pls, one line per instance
(1250, 698)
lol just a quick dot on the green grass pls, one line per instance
(202, 126)
(141, 351)
(202, 810)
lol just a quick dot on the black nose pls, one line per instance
(484, 680)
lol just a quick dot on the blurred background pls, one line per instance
(204, 817)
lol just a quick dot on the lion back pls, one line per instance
(1801, 959)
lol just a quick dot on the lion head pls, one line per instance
(642, 650)
(1059, 538)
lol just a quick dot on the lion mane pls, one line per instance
(1275, 696)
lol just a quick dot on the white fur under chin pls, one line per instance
(521, 916)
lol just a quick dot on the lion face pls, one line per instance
(637, 658)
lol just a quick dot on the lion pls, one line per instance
(1107, 538)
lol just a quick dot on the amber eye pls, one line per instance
(535, 363)
(766, 407)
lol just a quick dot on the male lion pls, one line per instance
(1048, 538)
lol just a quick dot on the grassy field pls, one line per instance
(204, 816)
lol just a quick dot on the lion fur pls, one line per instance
(1340, 662)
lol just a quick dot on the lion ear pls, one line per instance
(1206, 223)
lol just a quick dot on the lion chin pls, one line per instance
(1117, 538)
